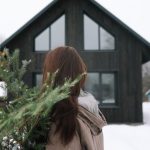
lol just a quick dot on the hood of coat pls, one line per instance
(90, 114)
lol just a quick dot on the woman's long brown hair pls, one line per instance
(70, 65)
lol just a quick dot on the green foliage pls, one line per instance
(28, 108)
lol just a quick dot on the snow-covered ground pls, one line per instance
(129, 137)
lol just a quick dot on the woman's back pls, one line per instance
(75, 124)
(88, 134)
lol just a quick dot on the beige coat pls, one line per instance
(88, 137)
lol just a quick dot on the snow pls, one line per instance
(3, 90)
(129, 137)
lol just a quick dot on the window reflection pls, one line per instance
(58, 32)
(96, 37)
(42, 41)
(108, 88)
(102, 86)
(92, 84)
(38, 78)
(106, 40)
(90, 34)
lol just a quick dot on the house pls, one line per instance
(112, 51)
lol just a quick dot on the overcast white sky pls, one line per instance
(15, 13)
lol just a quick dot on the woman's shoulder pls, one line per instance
(90, 114)
(88, 101)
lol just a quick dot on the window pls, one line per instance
(90, 32)
(107, 88)
(52, 36)
(92, 84)
(38, 80)
(102, 86)
(42, 41)
(96, 37)
(58, 32)
(106, 40)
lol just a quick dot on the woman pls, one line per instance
(76, 122)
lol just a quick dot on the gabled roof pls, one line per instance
(95, 3)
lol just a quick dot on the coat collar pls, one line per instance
(94, 122)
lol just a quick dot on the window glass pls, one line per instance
(107, 41)
(90, 34)
(58, 32)
(92, 84)
(102, 86)
(108, 88)
(38, 79)
(42, 41)
(96, 37)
